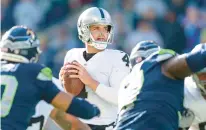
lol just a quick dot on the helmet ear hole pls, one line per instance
(80, 36)
(109, 28)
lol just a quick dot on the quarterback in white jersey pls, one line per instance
(100, 69)
(108, 68)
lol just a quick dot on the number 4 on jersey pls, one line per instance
(126, 59)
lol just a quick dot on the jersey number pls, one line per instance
(126, 59)
(39, 119)
(7, 96)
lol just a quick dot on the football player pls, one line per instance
(151, 96)
(24, 83)
(42, 111)
(48, 119)
(100, 69)
(194, 96)
(195, 100)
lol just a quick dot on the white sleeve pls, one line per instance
(110, 93)
(194, 101)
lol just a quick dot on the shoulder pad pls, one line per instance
(45, 74)
(164, 54)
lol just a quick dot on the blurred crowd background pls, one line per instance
(173, 24)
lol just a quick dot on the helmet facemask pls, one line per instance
(200, 80)
(141, 51)
(30, 55)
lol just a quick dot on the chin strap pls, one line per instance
(99, 46)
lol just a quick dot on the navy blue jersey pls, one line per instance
(158, 87)
(147, 89)
(22, 87)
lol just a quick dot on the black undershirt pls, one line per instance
(88, 56)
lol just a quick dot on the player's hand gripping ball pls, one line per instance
(71, 85)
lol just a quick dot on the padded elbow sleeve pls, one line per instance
(196, 59)
(83, 109)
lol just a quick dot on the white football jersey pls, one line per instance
(42, 111)
(108, 67)
(195, 102)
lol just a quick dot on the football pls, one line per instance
(72, 85)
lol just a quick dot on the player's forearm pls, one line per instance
(93, 84)
(73, 105)
(59, 117)
(66, 121)
(187, 64)
(108, 93)
(176, 67)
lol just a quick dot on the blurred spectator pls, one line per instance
(192, 27)
(27, 13)
(158, 6)
(128, 14)
(144, 31)
(171, 32)
(61, 42)
(123, 23)
(44, 6)
(7, 19)
(57, 12)
(119, 31)
(74, 5)
(203, 36)
(178, 6)
(203, 17)
(174, 24)
(200, 3)
(109, 5)
(43, 46)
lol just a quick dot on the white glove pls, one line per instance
(186, 119)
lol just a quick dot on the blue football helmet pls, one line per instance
(142, 50)
(20, 44)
